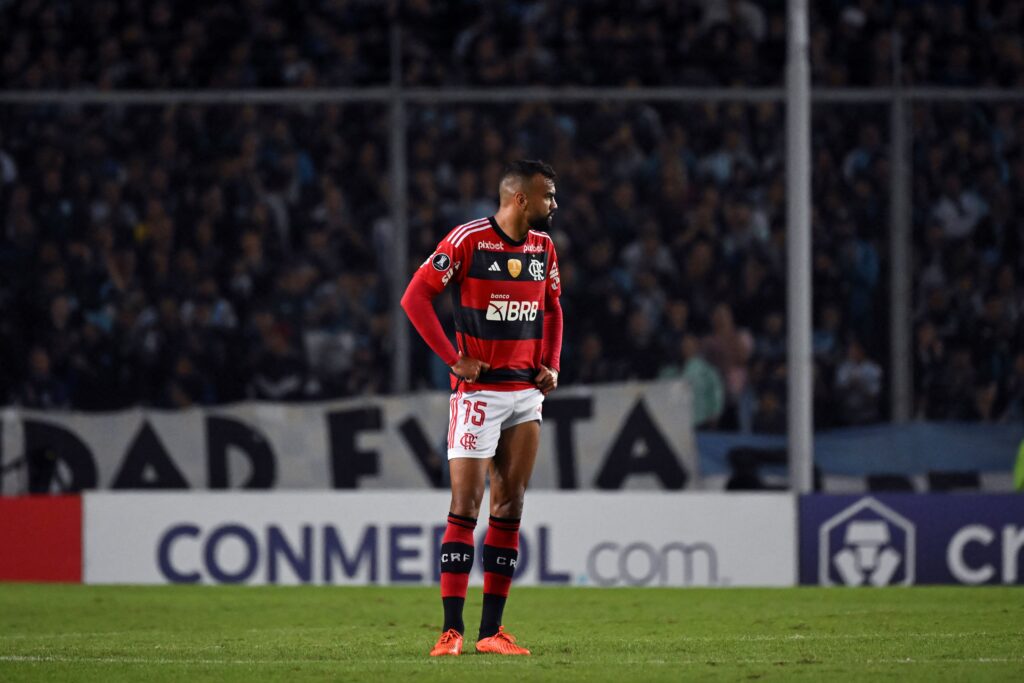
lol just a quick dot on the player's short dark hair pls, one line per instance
(527, 168)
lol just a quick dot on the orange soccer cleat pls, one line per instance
(501, 643)
(450, 643)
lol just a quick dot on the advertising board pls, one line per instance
(41, 538)
(911, 539)
(577, 538)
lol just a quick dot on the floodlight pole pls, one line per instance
(798, 249)
(399, 221)
(901, 376)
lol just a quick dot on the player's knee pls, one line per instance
(466, 505)
(510, 507)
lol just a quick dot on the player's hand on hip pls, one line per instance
(468, 368)
(546, 380)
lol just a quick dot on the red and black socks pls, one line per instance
(501, 554)
(456, 563)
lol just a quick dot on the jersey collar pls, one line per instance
(504, 237)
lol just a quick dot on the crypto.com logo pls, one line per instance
(866, 544)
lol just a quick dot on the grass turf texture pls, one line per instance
(174, 633)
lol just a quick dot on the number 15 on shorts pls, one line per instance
(474, 412)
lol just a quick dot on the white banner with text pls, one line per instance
(394, 538)
(616, 436)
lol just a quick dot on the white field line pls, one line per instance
(668, 635)
(70, 634)
(420, 661)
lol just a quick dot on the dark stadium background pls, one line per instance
(209, 211)
(204, 204)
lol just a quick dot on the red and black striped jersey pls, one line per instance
(500, 290)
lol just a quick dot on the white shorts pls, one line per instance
(476, 419)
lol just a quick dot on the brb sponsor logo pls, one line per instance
(235, 552)
(512, 310)
(644, 564)
(867, 543)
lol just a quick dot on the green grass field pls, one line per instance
(312, 633)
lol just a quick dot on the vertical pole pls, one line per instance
(901, 381)
(798, 250)
(399, 219)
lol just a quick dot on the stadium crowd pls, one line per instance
(181, 255)
(969, 191)
(671, 239)
(170, 256)
(320, 43)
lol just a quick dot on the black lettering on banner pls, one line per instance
(430, 459)
(348, 463)
(366, 554)
(45, 440)
(564, 412)
(657, 457)
(221, 433)
(147, 454)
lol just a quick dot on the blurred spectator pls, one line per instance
(858, 386)
(771, 343)
(279, 372)
(703, 378)
(771, 416)
(43, 390)
(958, 210)
(729, 348)
(642, 347)
(591, 365)
(826, 338)
(186, 387)
(1013, 399)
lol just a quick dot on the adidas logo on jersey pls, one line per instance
(495, 267)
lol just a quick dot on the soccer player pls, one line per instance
(503, 275)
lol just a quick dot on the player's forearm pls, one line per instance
(418, 306)
(551, 352)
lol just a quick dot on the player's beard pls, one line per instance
(542, 223)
